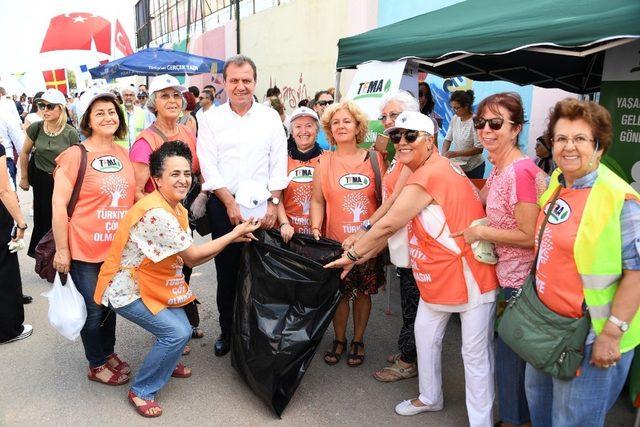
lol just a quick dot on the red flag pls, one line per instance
(77, 31)
(121, 40)
(56, 79)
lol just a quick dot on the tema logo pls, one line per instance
(372, 89)
(560, 212)
(107, 164)
(302, 174)
(354, 181)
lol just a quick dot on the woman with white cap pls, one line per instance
(82, 241)
(304, 153)
(436, 199)
(44, 142)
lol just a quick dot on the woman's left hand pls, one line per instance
(343, 262)
(471, 234)
(606, 350)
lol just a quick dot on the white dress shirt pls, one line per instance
(11, 132)
(232, 148)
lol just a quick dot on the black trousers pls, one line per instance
(227, 263)
(11, 308)
(42, 183)
(409, 299)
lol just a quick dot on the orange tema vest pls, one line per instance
(557, 279)
(161, 284)
(349, 192)
(297, 196)
(390, 178)
(184, 134)
(438, 270)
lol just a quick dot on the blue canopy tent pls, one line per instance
(155, 61)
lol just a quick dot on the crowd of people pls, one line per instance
(158, 159)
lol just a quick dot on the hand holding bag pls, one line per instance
(67, 310)
(549, 342)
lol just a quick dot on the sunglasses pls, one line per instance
(323, 103)
(422, 94)
(409, 135)
(494, 123)
(49, 107)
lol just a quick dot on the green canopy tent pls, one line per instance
(547, 43)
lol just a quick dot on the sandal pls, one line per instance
(186, 350)
(181, 371)
(120, 365)
(197, 333)
(355, 359)
(116, 378)
(396, 373)
(333, 353)
(144, 409)
(391, 358)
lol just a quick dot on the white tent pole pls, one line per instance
(337, 85)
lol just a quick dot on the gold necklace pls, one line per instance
(54, 133)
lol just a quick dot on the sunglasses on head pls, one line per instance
(49, 107)
(323, 103)
(494, 123)
(409, 135)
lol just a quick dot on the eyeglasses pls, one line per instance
(578, 140)
(494, 123)
(392, 116)
(323, 103)
(44, 106)
(409, 135)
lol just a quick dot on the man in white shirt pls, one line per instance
(239, 140)
(206, 101)
(11, 134)
(134, 116)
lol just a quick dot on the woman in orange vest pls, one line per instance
(142, 279)
(83, 240)
(304, 153)
(166, 100)
(343, 196)
(439, 198)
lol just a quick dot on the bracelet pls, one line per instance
(22, 228)
(355, 254)
(283, 224)
(351, 257)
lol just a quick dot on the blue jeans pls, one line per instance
(582, 401)
(512, 401)
(99, 331)
(172, 330)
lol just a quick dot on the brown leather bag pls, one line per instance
(46, 248)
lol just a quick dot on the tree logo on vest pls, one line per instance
(457, 169)
(301, 175)
(107, 164)
(354, 181)
(560, 213)
(116, 187)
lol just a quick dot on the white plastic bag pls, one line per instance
(67, 311)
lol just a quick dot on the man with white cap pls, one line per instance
(133, 115)
(238, 141)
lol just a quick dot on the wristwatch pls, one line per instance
(624, 326)
(366, 225)
(274, 200)
(22, 228)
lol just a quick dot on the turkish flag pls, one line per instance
(76, 31)
(121, 40)
(56, 79)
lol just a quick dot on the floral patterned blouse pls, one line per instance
(156, 236)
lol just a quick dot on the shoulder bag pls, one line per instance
(549, 342)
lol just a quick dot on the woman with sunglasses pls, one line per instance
(511, 195)
(461, 142)
(321, 100)
(44, 142)
(438, 198)
(343, 196)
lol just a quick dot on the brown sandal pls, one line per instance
(181, 371)
(354, 358)
(144, 409)
(121, 366)
(333, 353)
(116, 378)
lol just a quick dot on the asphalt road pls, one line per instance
(44, 377)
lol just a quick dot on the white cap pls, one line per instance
(303, 112)
(53, 96)
(252, 198)
(89, 96)
(164, 81)
(412, 120)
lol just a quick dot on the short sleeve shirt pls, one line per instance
(47, 148)
(463, 136)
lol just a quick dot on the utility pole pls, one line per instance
(238, 26)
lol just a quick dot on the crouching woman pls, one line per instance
(142, 278)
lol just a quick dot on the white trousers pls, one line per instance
(477, 355)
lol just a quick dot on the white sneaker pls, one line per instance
(407, 408)
(28, 330)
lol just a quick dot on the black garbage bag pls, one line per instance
(285, 301)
